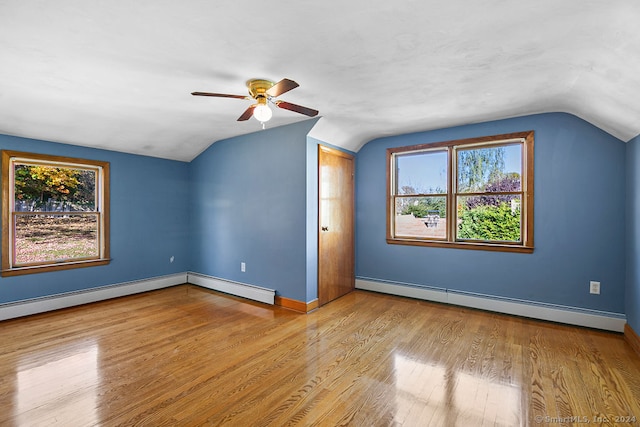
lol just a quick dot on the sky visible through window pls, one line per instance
(428, 173)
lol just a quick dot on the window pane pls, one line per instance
(489, 218)
(47, 238)
(422, 173)
(490, 169)
(423, 217)
(45, 188)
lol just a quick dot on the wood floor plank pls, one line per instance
(189, 356)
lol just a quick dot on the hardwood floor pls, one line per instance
(189, 356)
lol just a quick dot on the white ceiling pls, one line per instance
(117, 74)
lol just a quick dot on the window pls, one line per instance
(55, 213)
(472, 193)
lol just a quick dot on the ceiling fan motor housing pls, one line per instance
(258, 87)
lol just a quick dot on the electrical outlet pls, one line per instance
(171, 259)
(243, 267)
(594, 287)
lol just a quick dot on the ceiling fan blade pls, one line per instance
(297, 108)
(284, 85)
(247, 113)
(219, 95)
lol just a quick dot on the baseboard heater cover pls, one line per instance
(243, 290)
(70, 299)
(542, 311)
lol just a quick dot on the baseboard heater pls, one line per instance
(551, 312)
(28, 307)
(70, 299)
(239, 289)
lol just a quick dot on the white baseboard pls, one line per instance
(70, 299)
(243, 290)
(555, 313)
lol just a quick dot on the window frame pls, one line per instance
(9, 158)
(526, 244)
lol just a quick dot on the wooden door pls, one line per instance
(336, 269)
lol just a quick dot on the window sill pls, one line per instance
(496, 247)
(19, 271)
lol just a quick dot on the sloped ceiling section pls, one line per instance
(118, 74)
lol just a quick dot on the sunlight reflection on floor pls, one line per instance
(61, 391)
(434, 394)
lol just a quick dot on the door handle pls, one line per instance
(325, 228)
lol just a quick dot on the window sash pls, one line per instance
(503, 241)
(98, 170)
(96, 247)
(434, 219)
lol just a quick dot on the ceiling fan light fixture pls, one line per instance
(262, 113)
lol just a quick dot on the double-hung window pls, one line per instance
(55, 213)
(474, 193)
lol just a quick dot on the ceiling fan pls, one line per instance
(265, 92)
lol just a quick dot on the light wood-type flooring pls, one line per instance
(188, 356)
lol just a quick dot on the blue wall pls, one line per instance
(632, 297)
(579, 220)
(249, 205)
(253, 198)
(149, 202)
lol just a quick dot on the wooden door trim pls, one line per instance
(295, 305)
(334, 151)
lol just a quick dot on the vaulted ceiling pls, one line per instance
(118, 74)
